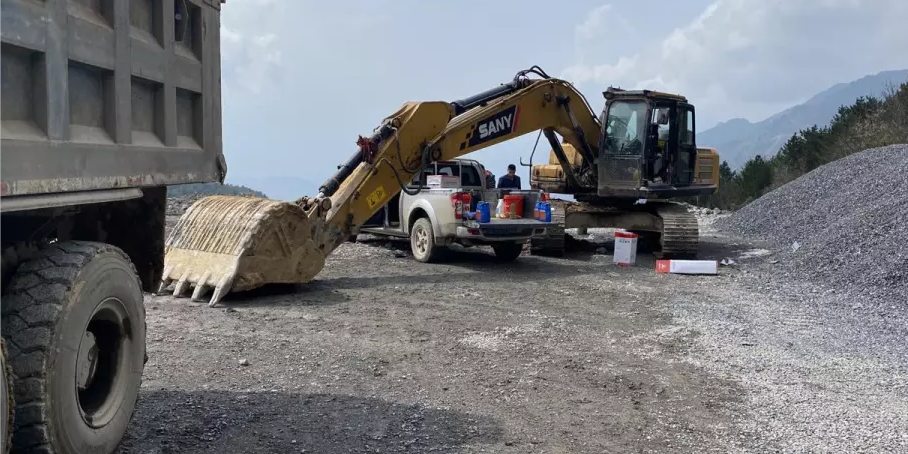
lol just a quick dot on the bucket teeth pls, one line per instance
(234, 243)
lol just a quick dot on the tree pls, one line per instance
(869, 122)
(754, 178)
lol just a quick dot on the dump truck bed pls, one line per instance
(103, 95)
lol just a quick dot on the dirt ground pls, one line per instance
(384, 354)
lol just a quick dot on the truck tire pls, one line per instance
(422, 241)
(84, 298)
(6, 402)
(507, 252)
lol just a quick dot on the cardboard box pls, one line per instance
(442, 181)
(687, 266)
(625, 248)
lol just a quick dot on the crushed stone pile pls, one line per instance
(176, 206)
(845, 222)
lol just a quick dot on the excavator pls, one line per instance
(226, 244)
(673, 166)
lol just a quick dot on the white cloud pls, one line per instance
(751, 57)
(250, 49)
(594, 22)
(602, 25)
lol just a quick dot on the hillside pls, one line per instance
(286, 188)
(870, 122)
(738, 139)
(211, 189)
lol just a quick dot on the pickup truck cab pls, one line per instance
(437, 216)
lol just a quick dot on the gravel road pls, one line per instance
(384, 354)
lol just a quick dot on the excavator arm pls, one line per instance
(229, 243)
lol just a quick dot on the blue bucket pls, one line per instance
(547, 212)
(483, 212)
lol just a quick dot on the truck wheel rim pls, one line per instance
(422, 241)
(102, 363)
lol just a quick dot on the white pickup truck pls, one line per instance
(436, 217)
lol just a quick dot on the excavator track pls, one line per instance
(680, 236)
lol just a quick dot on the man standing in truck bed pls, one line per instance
(509, 180)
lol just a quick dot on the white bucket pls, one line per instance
(625, 248)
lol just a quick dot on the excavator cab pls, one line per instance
(647, 149)
(647, 146)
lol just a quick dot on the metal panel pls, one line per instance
(82, 65)
(40, 201)
(17, 23)
(619, 172)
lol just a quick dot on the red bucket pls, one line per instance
(512, 202)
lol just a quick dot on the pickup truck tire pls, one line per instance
(422, 241)
(74, 320)
(507, 252)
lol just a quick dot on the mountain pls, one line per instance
(738, 139)
(277, 187)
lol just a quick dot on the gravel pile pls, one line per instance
(176, 206)
(846, 222)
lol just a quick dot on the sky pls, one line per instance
(303, 79)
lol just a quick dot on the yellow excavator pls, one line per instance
(672, 166)
(235, 243)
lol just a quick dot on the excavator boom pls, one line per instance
(235, 243)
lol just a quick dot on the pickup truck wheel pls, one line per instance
(507, 252)
(422, 241)
(74, 320)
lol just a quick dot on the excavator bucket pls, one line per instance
(235, 243)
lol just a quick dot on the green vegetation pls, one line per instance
(211, 189)
(868, 123)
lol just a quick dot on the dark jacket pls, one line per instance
(506, 182)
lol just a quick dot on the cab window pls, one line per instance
(625, 126)
(687, 126)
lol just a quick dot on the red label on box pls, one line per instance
(663, 266)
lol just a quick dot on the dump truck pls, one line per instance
(104, 105)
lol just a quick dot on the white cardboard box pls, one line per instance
(442, 181)
(625, 248)
(687, 266)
